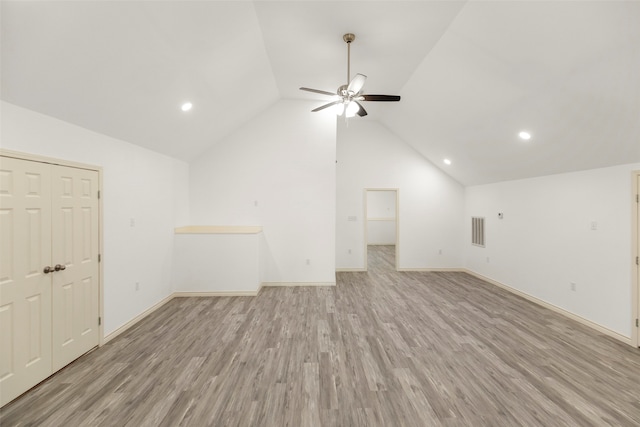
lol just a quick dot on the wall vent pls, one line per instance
(477, 231)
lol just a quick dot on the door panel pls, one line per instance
(75, 246)
(25, 291)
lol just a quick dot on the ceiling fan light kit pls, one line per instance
(350, 95)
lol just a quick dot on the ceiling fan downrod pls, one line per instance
(348, 38)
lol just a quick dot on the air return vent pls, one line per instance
(477, 231)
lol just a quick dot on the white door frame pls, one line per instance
(635, 253)
(53, 161)
(366, 223)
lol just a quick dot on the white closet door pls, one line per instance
(25, 290)
(75, 252)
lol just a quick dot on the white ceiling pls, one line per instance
(471, 74)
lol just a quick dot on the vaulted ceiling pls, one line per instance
(472, 74)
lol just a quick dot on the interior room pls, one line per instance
(232, 257)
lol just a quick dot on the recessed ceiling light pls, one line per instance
(447, 161)
(524, 135)
(186, 106)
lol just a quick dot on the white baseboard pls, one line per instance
(570, 315)
(150, 310)
(359, 270)
(269, 284)
(136, 319)
(216, 294)
(156, 306)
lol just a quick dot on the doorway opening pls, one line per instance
(381, 225)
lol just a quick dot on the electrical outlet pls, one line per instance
(487, 259)
(132, 222)
(308, 261)
(349, 251)
(573, 286)
(439, 251)
(137, 286)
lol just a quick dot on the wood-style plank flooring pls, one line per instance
(380, 349)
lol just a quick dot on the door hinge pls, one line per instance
(99, 321)
(637, 261)
(99, 257)
(98, 194)
(637, 323)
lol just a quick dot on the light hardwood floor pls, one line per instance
(380, 349)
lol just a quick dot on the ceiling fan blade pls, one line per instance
(385, 98)
(356, 83)
(323, 92)
(322, 107)
(361, 111)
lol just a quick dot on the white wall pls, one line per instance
(381, 204)
(431, 204)
(150, 188)
(381, 232)
(546, 242)
(217, 263)
(277, 171)
(284, 160)
(381, 217)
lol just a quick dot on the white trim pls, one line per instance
(562, 311)
(159, 304)
(273, 284)
(155, 307)
(365, 234)
(437, 269)
(351, 270)
(381, 219)
(635, 252)
(524, 295)
(216, 294)
(136, 319)
(102, 260)
(50, 160)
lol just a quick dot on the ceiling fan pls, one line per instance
(350, 95)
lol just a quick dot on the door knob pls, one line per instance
(59, 267)
(47, 270)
